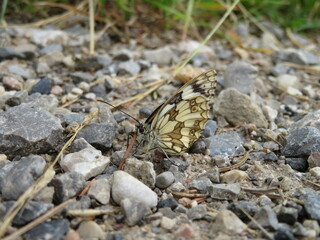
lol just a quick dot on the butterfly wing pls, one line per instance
(179, 121)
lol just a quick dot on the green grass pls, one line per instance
(298, 15)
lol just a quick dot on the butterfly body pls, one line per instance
(176, 124)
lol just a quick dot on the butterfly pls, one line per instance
(177, 123)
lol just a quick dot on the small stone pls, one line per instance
(266, 217)
(16, 180)
(174, 161)
(239, 108)
(46, 37)
(164, 179)
(201, 184)
(122, 55)
(42, 87)
(314, 159)
(22, 71)
(265, 201)
(134, 211)
(315, 172)
(302, 142)
(197, 212)
(185, 231)
(161, 56)
(7, 53)
(79, 77)
(90, 230)
(271, 156)
(224, 191)
(167, 223)
(142, 170)
(52, 58)
(312, 225)
(12, 83)
(227, 222)
(299, 164)
(167, 211)
(67, 185)
(126, 186)
(213, 174)
(199, 147)
(100, 191)
(42, 68)
(311, 201)
(284, 233)
(241, 76)
(45, 195)
(77, 91)
(50, 48)
(130, 67)
(287, 184)
(227, 143)
(69, 118)
(88, 162)
(54, 229)
(286, 81)
(297, 56)
(280, 69)
(169, 202)
(287, 215)
(234, 176)
(250, 207)
(210, 129)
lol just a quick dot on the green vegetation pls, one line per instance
(298, 15)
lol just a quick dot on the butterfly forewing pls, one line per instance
(176, 124)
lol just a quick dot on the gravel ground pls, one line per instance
(255, 173)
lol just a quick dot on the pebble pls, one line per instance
(227, 143)
(164, 180)
(185, 231)
(297, 56)
(250, 207)
(213, 174)
(90, 230)
(67, 185)
(311, 201)
(299, 164)
(134, 211)
(126, 186)
(42, 87)
(240, 75)
(7, 53)
(55, 229)
(122, 55)
(210, 129)
(161, 56)
(286, 81)
(266, 217)
(15, 180)
(224, 191)
(100, 190)
(197, 212)
(51, 48)
(201, 184)
(227, 222)
(141, 170)
(45, 195)
(284, 232)
(169, 202)
(287, 215)
(239, 108)
(88, 162)
(167, 223)
(129, 67)
(52, 58)
(315, 172)
(22, 71)
(234, 176)
(12, 83)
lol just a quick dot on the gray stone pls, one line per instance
(18, 98)
(134, 211)
(167, 211)
(164, 179)
(169, 202)
(280, 69)
(126, 186)
(54, 229)
(141, 170)
(122, 55)
(210, 129)
(238, 108)
(90, 230)
(224, 191)
(311, 201)
(266, 217)
(100, 191)
(299, 164)
(42, 87)
(213, 174)
(223, 54)
(83, 203)
(250, 207)
(31, 211)
(67, 185)
(161, 56)
(88, 162)
(51, 48)
(175, 161)
(227, 143)
(46, 37)
(241, 76)
(201, 184)
(129, 67)
(227, 222)
(284, 232)
(69, 118)
(21, 176)
(79, 77)
(302, 142)
(37, 131)
(52, 58)
(21, 71)
(312, 119)
(45, 195)
(297, 56)
(47, 102)
(287, 215)
(197, 212)
(7, 53)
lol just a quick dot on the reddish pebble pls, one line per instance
(72, 235)
(185, 230)
(56, 90)
(11, 83)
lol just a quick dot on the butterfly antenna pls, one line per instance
(99, 100)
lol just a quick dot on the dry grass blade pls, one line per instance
(269, 236)
(39, 220)
(126, 155)
(310, 69)
(308, 181)
(88, 212)
(91, 24)
(239, 164)
(42, 181)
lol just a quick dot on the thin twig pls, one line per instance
(237, 165)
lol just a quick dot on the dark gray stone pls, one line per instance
(250, 207)
(20, 177)
(287, 215)
(27, 129)
(266, 217)
(284, 233)
(210, 129)
(271, 156)
(122, 55)
(51, 48)
(311, 201)
(299, 164)
(199, 147)
(167, 212)
(169, 202)
(197, 212)
(88, 64)
(78, 77)
(9, 53)
(241, 76)
(182, 165)
(164, 179)
(50, 230)
(42, 87)
(67, 185)
(224, 191)
(69, 118)
(134, 211)
(83, 203)
(201, 184)
(99, 135)
(302, 142)
(18, 98)
(227, 143)
(31, 211)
